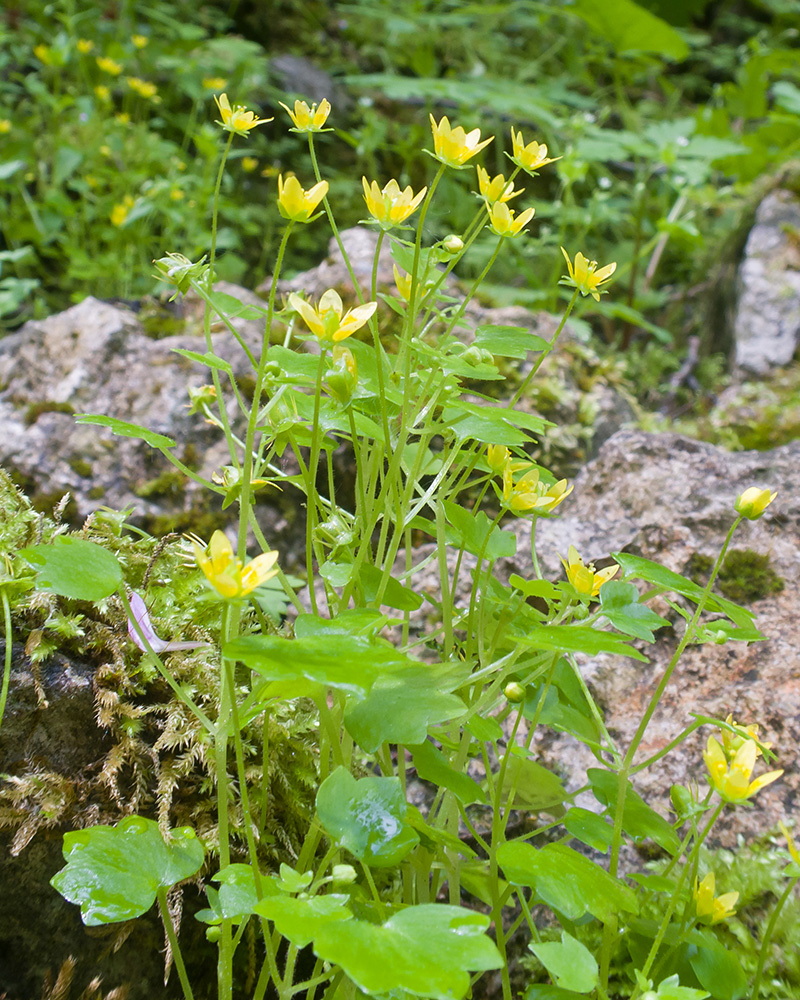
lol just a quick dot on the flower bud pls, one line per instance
(342, 377)
(753, 502)
(206, 395)
(514, 692)
(453, 244)
(343, 875)
(180, 271)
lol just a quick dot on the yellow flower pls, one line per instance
(140, 41)
(585, 579)
(102, 92)
(529, 494)
(531, 156)
(391, 206)
(215, 82)
(584, 275)
(109, 66)
(85, 45)
(308, 119)
(711, 909)
(5, 126)
(326, 321)
(237, 120)
(790, 843)
(225, 572)
(297, 204)
(454, 146)
(142, 87)
(43, 54)
(120, 212)
(732, 780)
(502, 221)
(249, 164)
(753, 502)
(732, 741)
(123, 118)
(176, 194)
(495, 188)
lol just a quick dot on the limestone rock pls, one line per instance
(667, 497)
(767, 324)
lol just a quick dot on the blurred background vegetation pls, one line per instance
(671, 117)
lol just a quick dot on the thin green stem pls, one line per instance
(540, 360)
(172, 937)
(311, 482)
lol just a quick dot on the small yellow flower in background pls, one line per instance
(110, 66)
(732, 779)
(402, 282)
(176, 194)
(85, 45)
(5, 126)
(91, 180)
(106, 150)
(297, 204)
(249, 164)
(102, 92)
(497, 188)
(120, 212)
(454, 146)
(308, 119)
(326, 321)
(790, 843)
(237, 120)
(123, 118)
(497, 458)
(43, 54)
(585, 579)
(529, 494)
(753, 502)
(732, 741)
(140, 41)
(711, 909)
(584, 275)
(214, 82)
(503, 222)
(391, 206)
(225, 572)
(142, 87)
(531, 156)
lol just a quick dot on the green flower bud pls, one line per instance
(514, 692)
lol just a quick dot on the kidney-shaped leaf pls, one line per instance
(567, 881)
(301, 920)
(114, 872)
(368, 817)
(402, 705)
(426, 950)
(75, 567)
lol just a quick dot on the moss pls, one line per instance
(170, 484)
(158, 322)
(203, 523)
(35, 410)
(748, 576)
(745, 576)
(80, 467)
(96, 492)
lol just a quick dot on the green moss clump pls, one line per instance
(169, 484)
(745, 576)
(96, 492)
(35, 410)
(80, 467)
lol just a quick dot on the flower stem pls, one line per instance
(770, 930)
(172, 937)
(540, 360)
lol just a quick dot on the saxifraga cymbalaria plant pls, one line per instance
(450, 683)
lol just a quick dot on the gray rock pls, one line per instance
(667, 497)
(767, 324)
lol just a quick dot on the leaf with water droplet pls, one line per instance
(114, 872)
